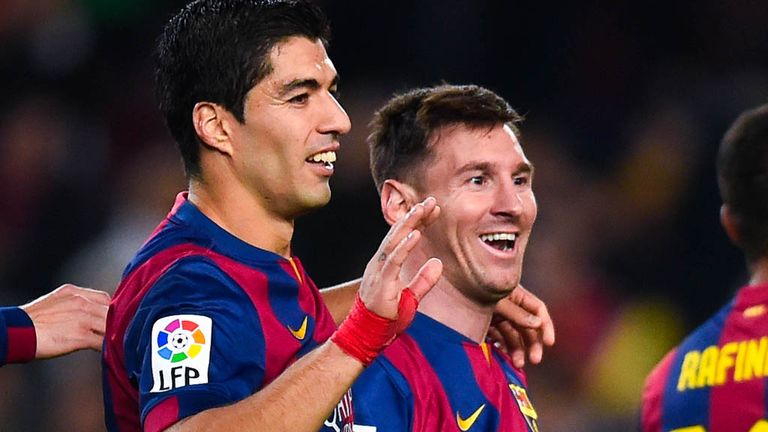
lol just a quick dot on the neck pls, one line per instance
(759, 272)
(446, 304)
(242, 215)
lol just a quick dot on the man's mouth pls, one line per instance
(501, 241)
(326, 158)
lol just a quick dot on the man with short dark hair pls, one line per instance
(715, 379)
(215, 325)
(459, 144)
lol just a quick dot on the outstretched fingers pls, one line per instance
(381, 287)
(418, 216)
(538, 309)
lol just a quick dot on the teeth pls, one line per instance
(498, 237)
(327, 157)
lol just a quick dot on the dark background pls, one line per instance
(625, 103)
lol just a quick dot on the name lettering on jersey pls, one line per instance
(754, 311)
(301, 332)
(715, 365)
(760, 426)
(363, 428)
(181, 351)
(465, 424)
(526, 407)
(341, 418)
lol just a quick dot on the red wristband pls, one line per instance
(363, 334)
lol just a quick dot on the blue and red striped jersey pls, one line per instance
(434, 379)
(715, 379)
(202, 319)
(18, 341)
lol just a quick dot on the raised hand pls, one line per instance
(381, 288)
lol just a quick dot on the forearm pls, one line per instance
(300, 399)
(339, 299)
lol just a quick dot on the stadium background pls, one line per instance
(624, 103)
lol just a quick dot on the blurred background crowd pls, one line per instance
(625, 103)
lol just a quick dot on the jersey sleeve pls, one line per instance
(651, 410)
(195, 343)
(382, 399)
(18, 341)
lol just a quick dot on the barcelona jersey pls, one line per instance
(202, 319)
(17, 336)
(715, 381)
(433, 379)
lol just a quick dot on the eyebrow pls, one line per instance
(307, 83)
(522, 167)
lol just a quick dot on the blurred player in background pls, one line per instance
(460, 145)
(67, 319)
(715, 379)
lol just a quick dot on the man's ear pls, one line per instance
(211, 124)
(396, 199)
(729, 223)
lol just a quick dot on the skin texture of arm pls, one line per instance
(318, 379)
(68, 319)
(303, 396)
(339, 298)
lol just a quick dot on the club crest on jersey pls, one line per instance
(181, 351)
(526, 407)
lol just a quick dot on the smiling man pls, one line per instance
(460, 145)
(215, 325)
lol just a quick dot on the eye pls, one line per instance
(521, 180)
(478, 180)
(299, 99)
(335, 93)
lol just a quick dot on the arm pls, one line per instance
(68, 319)
(304, 394)
(340, 298)
(316, 383)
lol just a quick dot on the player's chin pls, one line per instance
(491, 292)
(315, 200)
(503, 287)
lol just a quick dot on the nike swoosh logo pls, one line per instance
(465, 424)
(301, 332)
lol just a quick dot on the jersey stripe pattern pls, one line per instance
(433, 379)
(715, 380)
(17, 336)
(261, 313)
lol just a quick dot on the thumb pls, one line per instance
(426, 277)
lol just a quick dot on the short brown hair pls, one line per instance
(402, 128)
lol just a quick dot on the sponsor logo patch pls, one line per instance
(181, 351)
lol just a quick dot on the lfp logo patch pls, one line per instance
(181, 351)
